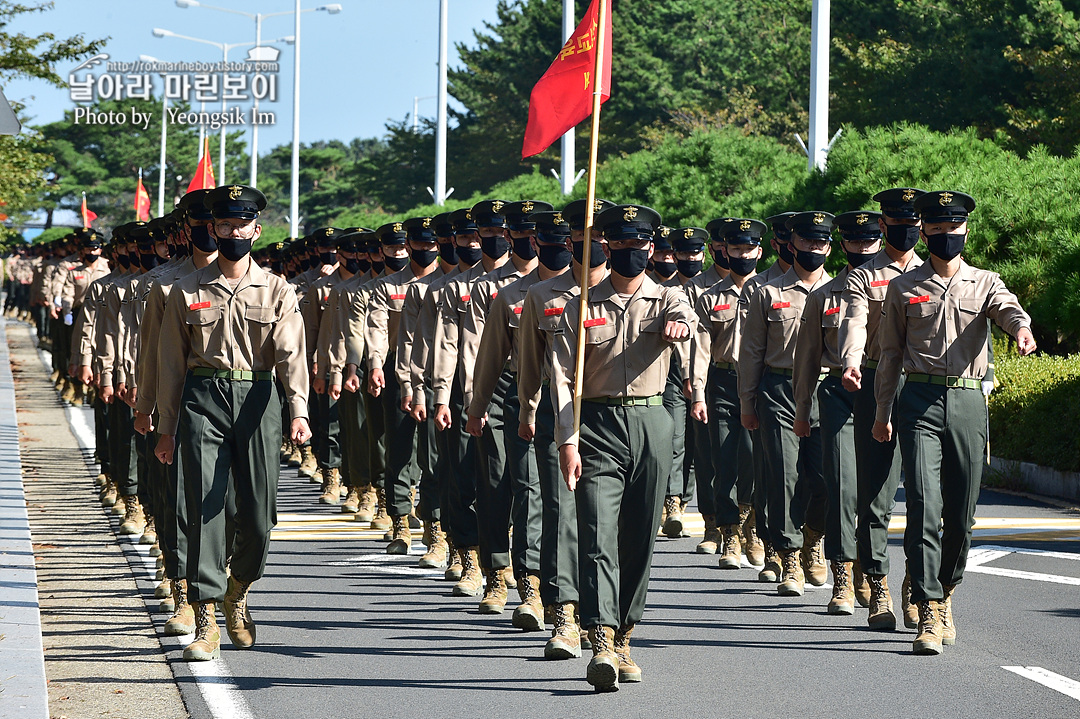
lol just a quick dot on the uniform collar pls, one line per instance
(254, 277)
(606, 291)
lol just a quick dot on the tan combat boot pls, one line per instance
(791, 584)
(207, 644)
(752, 546)
(673, 525)
(108, 494)
(712, 539)
(509, 578)
(55, 376)
(771, 570)
(78, 394)
(155, 549)
(119, 508)
(948, 622)
(470, 583)
(629, 671)
(565, 642)
(308, 464)
(149, 536)
(183, 619)
(134, 519)
(368, 499)
(285, 450)
(402, 536)
(58, 383)
(238, 622)
(928, 640)
(414, 521)
(167, 605)
(101, 479)
(909, 610)
(881, 612)
(295, 458)
(331, 486)
(812, 556)
(862, 587)
(494, 599)
(436, 555)
(352, 501)
(68, 392)
(529, 615)
(603, 669)
(381, 520)
(163, 590)
(453, 563)
(843, 592)
(731, 557)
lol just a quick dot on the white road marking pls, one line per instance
(978, 557)
(381, 563)
(214, 680)
(1058, 683)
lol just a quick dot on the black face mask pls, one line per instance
(233, 249)
(124, 260)
(523, 248)
(363, 264)
(377, 267)
(469, 255)
(721, 261)
(555, 257)
(946, 245)
(424, 257)
(327, 258)
(494, 247)
(859, 259)
(277, 267)
(809, 261)
(689, 268)
(396, 264)
(902, 237)
(203, 240)
(629, 262)
(305, 264)
(148, 262)
(181, 251)
(352, 266)
(742, 266)
(596, 253)
(664, 269)
(785, 253)
(448, 253)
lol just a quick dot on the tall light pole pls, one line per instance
(294, 171)
(819, 85)
(567, 165)
(331, 9)
(164, 128)
(440, 127)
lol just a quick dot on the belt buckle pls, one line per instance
(952, 381)
(236, 374)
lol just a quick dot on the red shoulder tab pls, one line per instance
(596, 322)
(199, 306)
(718, 308)
(879, 283)
(397, 297)
(917, 300)
(833, 311)
(553, 311)
(781, 305)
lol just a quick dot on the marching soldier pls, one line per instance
(227, 328)
(935, 331)
(619, 462)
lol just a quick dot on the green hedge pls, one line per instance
(1035, 410)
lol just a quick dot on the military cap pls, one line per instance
(444, 225)
(324, 236)
(193, 204)
(575, 212)
(353, 239)
(143, 236)
(813, 225)
(89, 238)
(277, 250)
(628, 221)
(517, 214)
(778, 223)
(738, 230)
(392, 233)
(238, 201)
(689, 239)
(550, 224)
(490, 213)
(899, 202)
(858, 226)
(462, 221)
(120, 232)
(662, 239)
(421, 229)
(944, 206)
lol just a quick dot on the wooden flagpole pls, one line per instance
(590, 201)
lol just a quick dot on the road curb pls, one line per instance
(1038, 479)
(23, 688)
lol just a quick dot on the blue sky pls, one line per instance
(359, 68)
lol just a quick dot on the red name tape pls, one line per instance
(781, 305)
(494, 294)
(517, 310)
(80, 277)
(917, 300)
(199, 306)
(879, 283)
(595, 323)
(397, 297)
(717, 308)
(466, 298)
(833, 311)
(552, 311)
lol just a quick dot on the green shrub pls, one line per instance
(1035, 410)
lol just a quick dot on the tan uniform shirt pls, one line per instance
(84, 333)
(146, 369)
(862, 301)
(626, 354)
(341, 338)
(59, 276)
(769, 332)
(384, 313)
(255, 327)
(936, 325)
(484, 292)
(420, 363)
(77, 282)
(718, 332)
(108, 328)
(541, 318)
(816, 349)
(313, 309)
(446, 346)
(37, 287)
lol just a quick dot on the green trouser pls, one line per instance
(329, 424)
(678, 484)
(626, 461)
(699, 446)
(761, 488)
(375, 447)
(460, 504)
(101, 435)
(399, 429)
(64, 351)
(525, 506)
(878, 466)
(143, 490)
(943, 435)
(122, 455)
(732, 453)
(56, 349)
(172, 526)
(228, 426)
(354, 461)
(443, 480)
(493, 495)
(792, 465)
(314, 423)
(558, 518)
(838, 468)
(427, 463)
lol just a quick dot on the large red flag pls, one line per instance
(88, 216)
(563, 96)
(142, 202)
(204, 173)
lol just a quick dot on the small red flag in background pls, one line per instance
(204, 173)
(142, 202)
(563, 96)
(87, 215)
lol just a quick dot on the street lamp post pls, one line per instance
(567, 164)
(440, 127)
(819, 85)
(164, 128)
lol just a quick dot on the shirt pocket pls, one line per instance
(600, 334)
(969, 310)
(203, 317)
(260, 315)
(259, 325)
(782, 314)
(830, 318)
